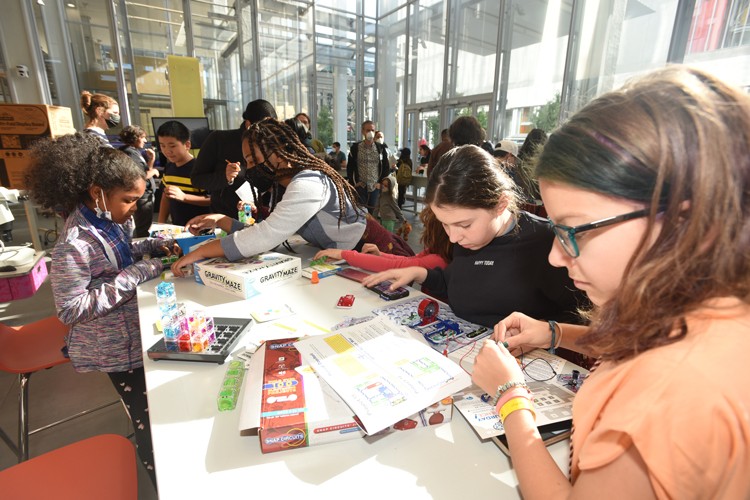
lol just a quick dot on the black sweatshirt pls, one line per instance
(510, 274)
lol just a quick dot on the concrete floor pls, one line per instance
(60, 392)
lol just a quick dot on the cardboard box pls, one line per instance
(298, 409)
(21, 125)
(247, 278)
(288, 406)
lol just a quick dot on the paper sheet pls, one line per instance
(381, 372)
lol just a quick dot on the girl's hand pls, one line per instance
(371, 248)
(201, 222)
(399, 277)
(150, 155)
(241, 206)
(175, 250)
(333, 253)
(495, 366)
(184, 262)
(232, 171)
(519, 330)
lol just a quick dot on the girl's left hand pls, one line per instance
(495, 366)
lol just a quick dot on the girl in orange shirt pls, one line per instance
(648, 191)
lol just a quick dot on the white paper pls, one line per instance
(245, 192)
(381, 372)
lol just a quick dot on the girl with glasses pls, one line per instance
(648, 191)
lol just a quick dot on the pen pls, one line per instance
(230, 181)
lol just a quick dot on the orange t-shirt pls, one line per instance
(685, 407)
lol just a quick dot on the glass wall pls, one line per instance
(392, 52)
(286, 56)
(410, 65)
(336, 67)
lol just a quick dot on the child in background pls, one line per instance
(181, 200)
(388, 211)
(499, 254)
(134, 141)
(648, 192)
(403, 175)
(95, 265)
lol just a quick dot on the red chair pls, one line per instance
(99, 467)
(25, 350)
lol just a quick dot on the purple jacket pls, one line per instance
(97, 299)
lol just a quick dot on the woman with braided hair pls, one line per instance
(318, 204)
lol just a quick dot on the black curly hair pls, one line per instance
(62, 170)
(274, 137)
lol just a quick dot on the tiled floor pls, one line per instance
(60, 392)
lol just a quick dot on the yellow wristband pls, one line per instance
(517, 403)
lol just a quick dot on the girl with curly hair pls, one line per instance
(95, 265)
(318, 204)
(648, 192)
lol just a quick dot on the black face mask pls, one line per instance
(261, 177)
(112, 121)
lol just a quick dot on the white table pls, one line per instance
(200, 454)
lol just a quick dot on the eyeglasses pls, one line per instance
(566, 235)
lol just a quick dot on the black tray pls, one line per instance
(228, 332)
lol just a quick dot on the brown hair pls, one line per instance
(434, 238)
(680, 144)
(274, 137)
(91, 102)
(130, 134)
(468, 176)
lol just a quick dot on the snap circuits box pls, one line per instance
(288, 406)
(293, 407)
(248, 277)
(20, 126)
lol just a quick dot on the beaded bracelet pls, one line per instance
(514, 405)
(502, 388)
(513, 392)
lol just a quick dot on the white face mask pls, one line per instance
(380, 140)
(370, 135)
(102, 214)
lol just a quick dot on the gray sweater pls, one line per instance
(310, 208)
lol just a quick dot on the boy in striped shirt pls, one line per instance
(180, 200)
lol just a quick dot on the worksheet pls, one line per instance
(381, 372)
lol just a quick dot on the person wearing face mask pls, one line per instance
(102, 113)
(96, 267)
(220, 167)
(366, 166)
(319, 205)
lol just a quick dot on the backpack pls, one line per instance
(403, 174)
